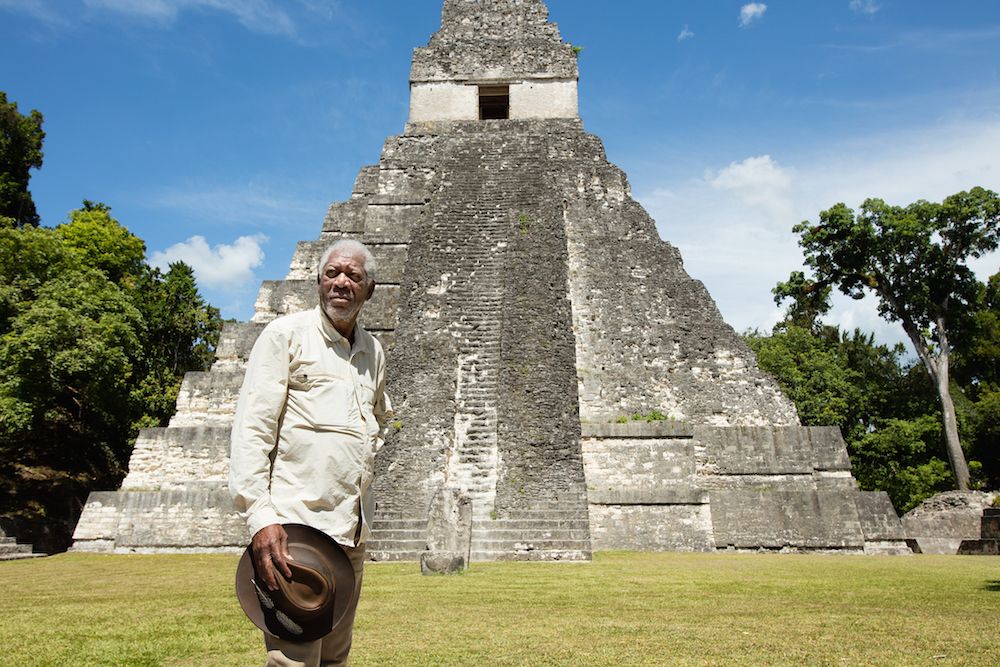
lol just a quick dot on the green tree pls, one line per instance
(914, 259)
(21, 140)
(181, 334)
(93, 346)
(833, 377)
(103, 243)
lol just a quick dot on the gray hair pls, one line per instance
(354, 246)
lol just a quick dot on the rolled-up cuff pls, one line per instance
(262, 518)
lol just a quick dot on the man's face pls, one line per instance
(344, 287)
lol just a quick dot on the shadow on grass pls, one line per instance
(992, 586)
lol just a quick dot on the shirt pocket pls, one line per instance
(322, 400)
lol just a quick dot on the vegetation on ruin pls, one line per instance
(648, 417)
(622, 609)
(94, 343)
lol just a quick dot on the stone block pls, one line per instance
(391, 223)
(667, 428)
(780, 519)
(449, 533)
(415, 183)
(283, 297)
(747, 450)
(207, 398)
(640, 471)
(651, 528)
(990, 524)
(366, 182)
(235, 342)
(444, 562)
(829, 450)
(174, 457)
(346, 218)
(878, 517)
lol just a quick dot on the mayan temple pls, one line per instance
(529, 308)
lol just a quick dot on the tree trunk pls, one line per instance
(937, 368)
(956, 457)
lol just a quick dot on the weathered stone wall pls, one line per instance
(673, 486)
(483, 371)
(485, 40)
(648, 336)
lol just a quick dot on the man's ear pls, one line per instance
(371, 290)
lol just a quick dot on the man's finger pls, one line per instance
(269, 547)
(279, 554)
(264, 569)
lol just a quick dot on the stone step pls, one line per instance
(482, 555)
(396, 534)
(397, 523)
(392, 556)
(207, 398)
(529, 533)
(491, 544)
(177, 456)
(21, 556)
(235, 342)
(15, 549)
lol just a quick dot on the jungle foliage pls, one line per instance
(93, 345)
(915, 260)
(908, 436)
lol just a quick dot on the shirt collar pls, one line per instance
(362, 339)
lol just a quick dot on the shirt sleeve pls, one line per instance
(255, 429)
(383, 406)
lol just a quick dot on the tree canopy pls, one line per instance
(915, 260)
(21, 138)
(93, 346)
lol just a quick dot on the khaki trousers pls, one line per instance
(331, 650)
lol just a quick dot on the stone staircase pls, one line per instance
(10, 549)
(544, 533)
(474, 226)
(484, 207)
(397, 538)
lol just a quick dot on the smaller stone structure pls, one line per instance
(942, 522)
(449, 534)
(988, 543)
(10, 549)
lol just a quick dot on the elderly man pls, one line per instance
(308, 423)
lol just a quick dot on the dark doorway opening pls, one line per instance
(494, 102)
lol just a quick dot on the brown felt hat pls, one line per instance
(307, 606)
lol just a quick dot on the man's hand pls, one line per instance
(270, 550)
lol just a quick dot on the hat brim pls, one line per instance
(336, 561)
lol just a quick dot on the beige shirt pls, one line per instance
(308, 423)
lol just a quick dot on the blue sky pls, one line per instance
(220, 130)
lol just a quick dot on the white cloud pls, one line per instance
(685, 34)
(223, 267)
(751, 12)
(263, 16)
(864, 7)
(758, 182)
(733, 225)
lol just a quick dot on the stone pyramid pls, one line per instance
(529, 309)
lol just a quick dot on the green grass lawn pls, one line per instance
(621, 609)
